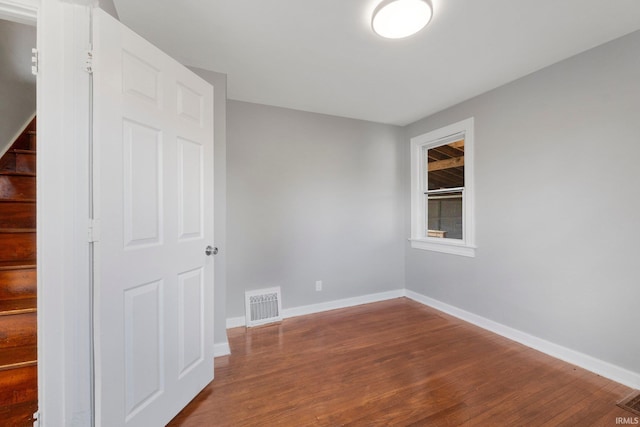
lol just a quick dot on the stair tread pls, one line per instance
(17, 230)
(17, 200)
(17, 264)
(14, 173)
(18, 306)
(18, 357)
(23, 151)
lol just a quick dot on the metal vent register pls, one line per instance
(631, 403)
(263, 306)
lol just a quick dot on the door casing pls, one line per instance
(64, 363)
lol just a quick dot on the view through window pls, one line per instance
(444, 190)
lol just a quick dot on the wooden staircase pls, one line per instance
(18, 327)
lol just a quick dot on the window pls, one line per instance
(442, 208)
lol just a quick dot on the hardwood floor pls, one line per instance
(395, 363)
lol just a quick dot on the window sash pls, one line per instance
(450, 226)
(445, 190)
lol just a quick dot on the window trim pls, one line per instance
(466, 245)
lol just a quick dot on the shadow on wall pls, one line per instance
(17, 83)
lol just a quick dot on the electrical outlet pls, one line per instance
(318, 285)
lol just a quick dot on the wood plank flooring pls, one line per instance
(395, 363)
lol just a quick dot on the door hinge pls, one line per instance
(94, 230)
(88, 62)
(34, 61)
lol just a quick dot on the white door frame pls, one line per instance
(23, 12)
(64, 299)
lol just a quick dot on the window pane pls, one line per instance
(445, 166)
(444, 215)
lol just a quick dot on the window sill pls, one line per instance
(444, 246)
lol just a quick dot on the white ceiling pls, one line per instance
(321, 55)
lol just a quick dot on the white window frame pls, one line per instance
(419, 239)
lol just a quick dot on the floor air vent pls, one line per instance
(631, 403)
(263, 306)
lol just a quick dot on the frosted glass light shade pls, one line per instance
(396, 19)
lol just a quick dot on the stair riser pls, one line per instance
(18, 215)
(8, 162)
(33, 141)
(26, 141)
(18, 330)
(18, 284)
(25, 162)
(19, 415)
(17, 246)
(17, 187)
(19, 385)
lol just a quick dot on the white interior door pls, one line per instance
(153, 198)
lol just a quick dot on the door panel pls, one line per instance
(142, 158)
(153, 196)
(144, 364)
(190, 190)
(191, 287)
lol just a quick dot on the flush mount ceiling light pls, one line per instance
(396, 19)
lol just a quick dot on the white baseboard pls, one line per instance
(341, 303)
(597, 366)
(234, 322)
(221, 349)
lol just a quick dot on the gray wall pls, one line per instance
(312, 197)
(557, 205)
(219, 82)
(17, 84)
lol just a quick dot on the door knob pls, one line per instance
(210, 250)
